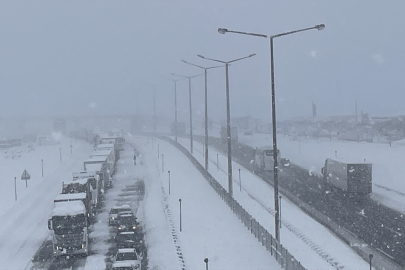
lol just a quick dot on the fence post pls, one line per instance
(276, 250)
(271, 246)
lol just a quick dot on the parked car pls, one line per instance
(126, 222)
(115, 210)
(129, 239)
(123, 265)
(128, 255)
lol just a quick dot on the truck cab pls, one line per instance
(69, 228)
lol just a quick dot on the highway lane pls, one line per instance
(377, 225)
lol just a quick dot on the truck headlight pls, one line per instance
(134, 227)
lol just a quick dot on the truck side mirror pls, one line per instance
(49, 224)
(323, 171)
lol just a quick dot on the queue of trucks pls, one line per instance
(75, 208)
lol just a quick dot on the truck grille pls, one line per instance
(69, 241)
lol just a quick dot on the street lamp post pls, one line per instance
(154, 111)
(206, 110)
(191, 117)
(175, 105)
(273, 102)
(228, 117)
(154, 107)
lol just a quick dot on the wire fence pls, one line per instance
(283, 257)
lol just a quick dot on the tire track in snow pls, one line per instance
(169, 218)
(327, 257)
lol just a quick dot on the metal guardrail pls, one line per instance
(283, 257)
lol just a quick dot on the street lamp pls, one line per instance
(206, 110)
(154, 107)
(175, 104)
(228, 117)
(273, 102)
(189, 95)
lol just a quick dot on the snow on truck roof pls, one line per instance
(68, 208)
(109, 137)
(96, 159)
(70, 196)
(349, 160)
(81, 181)
(105, 145)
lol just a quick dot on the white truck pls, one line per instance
(264, 158)
(69, 228)
(80, 186)
(109, 154)
(101, 168)
(96, 185)
(109, 146)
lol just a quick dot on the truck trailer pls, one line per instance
(69, 228)
(110, 154)
(80, 186)
(96, 185)
(109, 146)
(264, 158)
(350, 178)
(101, 168)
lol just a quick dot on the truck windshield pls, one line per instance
(127, 256)
(74, 188)
(68, 224)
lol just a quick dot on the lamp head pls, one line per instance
(320, 26)
(222, 30)
(199, 55)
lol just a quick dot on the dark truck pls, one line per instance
(354, 179)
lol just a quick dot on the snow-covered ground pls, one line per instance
(24, 221)
(209, 228)
(307, 240)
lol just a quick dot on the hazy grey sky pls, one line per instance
(101, 57)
